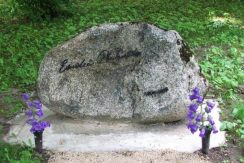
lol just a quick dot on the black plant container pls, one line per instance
(38, 141)
(206, 142)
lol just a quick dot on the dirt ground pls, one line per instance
(228, 154)
(127, 157)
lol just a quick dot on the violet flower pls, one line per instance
(199, 117)
(29, 113)
(193, 127)
(211, 121)
(25, 96)
(193, 107)
(196, 112)
(190, 115)
(35, 109)
(214, 129)
(202, 132)
(38, 104)
(210, 106)
(39, 113)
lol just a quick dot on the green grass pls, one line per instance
(10, 105)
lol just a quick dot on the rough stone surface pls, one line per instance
(132, 71)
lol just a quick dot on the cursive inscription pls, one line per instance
(104, 55)
(116, 54)
(65, 65)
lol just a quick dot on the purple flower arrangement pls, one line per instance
(33, 113)
(199, 117)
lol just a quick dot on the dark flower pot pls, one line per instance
(38, 141)
(206, 142)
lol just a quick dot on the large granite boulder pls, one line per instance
(131, 71)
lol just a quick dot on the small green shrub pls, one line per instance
(43, 9)
(237, 124)
(17, 154)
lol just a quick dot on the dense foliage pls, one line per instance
(17, 154)
(41, 9)
(236, 125)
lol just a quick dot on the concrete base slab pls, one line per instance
(66, 134)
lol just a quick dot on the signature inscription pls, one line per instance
(65, 65)
(104, 55)
(160, 91)
(116, 54)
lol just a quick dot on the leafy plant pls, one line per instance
(237, 125)
(17, 154)
(223, 70)
(242, 160)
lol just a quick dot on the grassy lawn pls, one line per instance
(213, 29)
